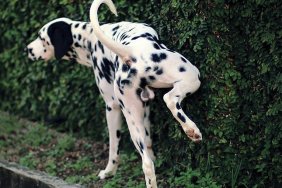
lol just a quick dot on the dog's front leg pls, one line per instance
(113, 115)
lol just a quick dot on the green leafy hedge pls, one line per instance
(237, 47)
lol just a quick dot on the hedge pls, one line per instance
(237, 47)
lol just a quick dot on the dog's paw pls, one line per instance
(194, 134)
(103, 174)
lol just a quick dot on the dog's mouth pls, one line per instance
(35, 58)
(31, 55)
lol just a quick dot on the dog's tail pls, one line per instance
(119, 49)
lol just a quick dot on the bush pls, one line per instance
(237, 47)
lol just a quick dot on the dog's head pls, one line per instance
(54, 40)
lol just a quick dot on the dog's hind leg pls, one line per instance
(173, 101)
(147, 125)
(113, 115)
(134, 109)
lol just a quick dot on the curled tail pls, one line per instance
(118, 48)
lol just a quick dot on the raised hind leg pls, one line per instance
(173, 101)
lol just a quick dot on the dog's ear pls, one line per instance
(61, 38)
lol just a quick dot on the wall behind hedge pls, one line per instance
(237, 47)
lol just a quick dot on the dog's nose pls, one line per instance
(29, 51)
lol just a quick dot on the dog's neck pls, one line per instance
(84, 41)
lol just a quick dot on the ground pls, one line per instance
(76, 160)
(79, 160)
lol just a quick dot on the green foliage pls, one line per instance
(66, 143)
(29, 161)
(51, 167)
(80, 164)
(193, 179)
(235, 44)
(37, 136)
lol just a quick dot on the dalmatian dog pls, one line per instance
(142, 63)
(128, 61)
(71, 40)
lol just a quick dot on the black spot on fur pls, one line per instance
(146, 131)
(132, 72)
(77, 45)
(125, 82)
(118, 81)
(95, 47)
(101, 47)
(182, 69)
(133, 59)
(84, 26)
(108, 69)
(89, 45)
(183, 59)
(118, 134)
(147, 69)
(181, 117)
(134, 38)
(121, 103)
(156, 46)
(141, 146)
(123, 36)
(157, 58)
(94, 60)
(159, 72)
(125, 68)
(138, 92)
(125, 43)
(115, 28)
(76, 25)
(143, 82)
(178, 106)
(152, 78)
(114, 161)
(109, 108)
(79, 37)
(163, 56)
